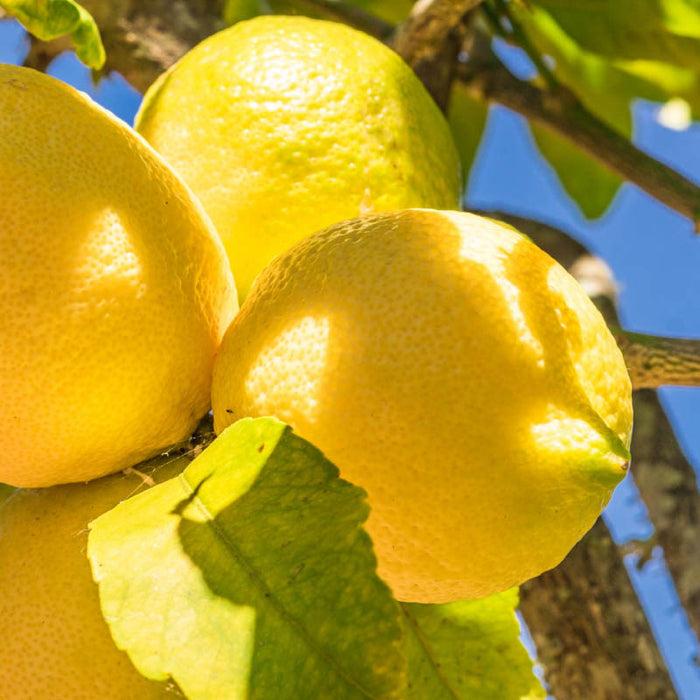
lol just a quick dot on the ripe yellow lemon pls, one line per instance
(54, 642)
(115, 290)
(455, 371)
(284, 125)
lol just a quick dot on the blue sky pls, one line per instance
(652, 251)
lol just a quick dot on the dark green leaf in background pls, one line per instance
(607, 86)
(391, 11)
(657, 30)
(240, 10)
(5, 491)
(249, 576)
(467, 119)
(590, 185)
(468, 651)
(50, 19)
(595, 81)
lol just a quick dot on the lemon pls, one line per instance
(54, 642)
(115, 290)
(284, 125)
(455, 371)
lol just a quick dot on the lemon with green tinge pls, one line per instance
(54, 641)
(455, 371)
(284, 125)
(116, 290)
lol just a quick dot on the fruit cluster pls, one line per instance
(440, 360)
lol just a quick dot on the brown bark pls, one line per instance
(668, 485)
(430, 41)
(654, 361)
(592, 637)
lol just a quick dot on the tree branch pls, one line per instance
(667, 484)
(654, 361)
(561, 112)
(591, 635)
(430, 41)
(429, 25)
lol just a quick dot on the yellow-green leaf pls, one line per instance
(656, 30)
(467, 119)
(250, 576)
(606, 86)
(50, 19)
(589, 184)
(468, 650)
(594, 80)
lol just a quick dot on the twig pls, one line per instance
(430, 41)
(654, 361)
(427, 28)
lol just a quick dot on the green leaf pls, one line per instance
(656, 30)
(606, 87)
(240, 10)
(468, 650)
(249, 575)
(596, 82)
(467, 119)
(662, 82)
(50, 19)
(590, 185)
(391, 11)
